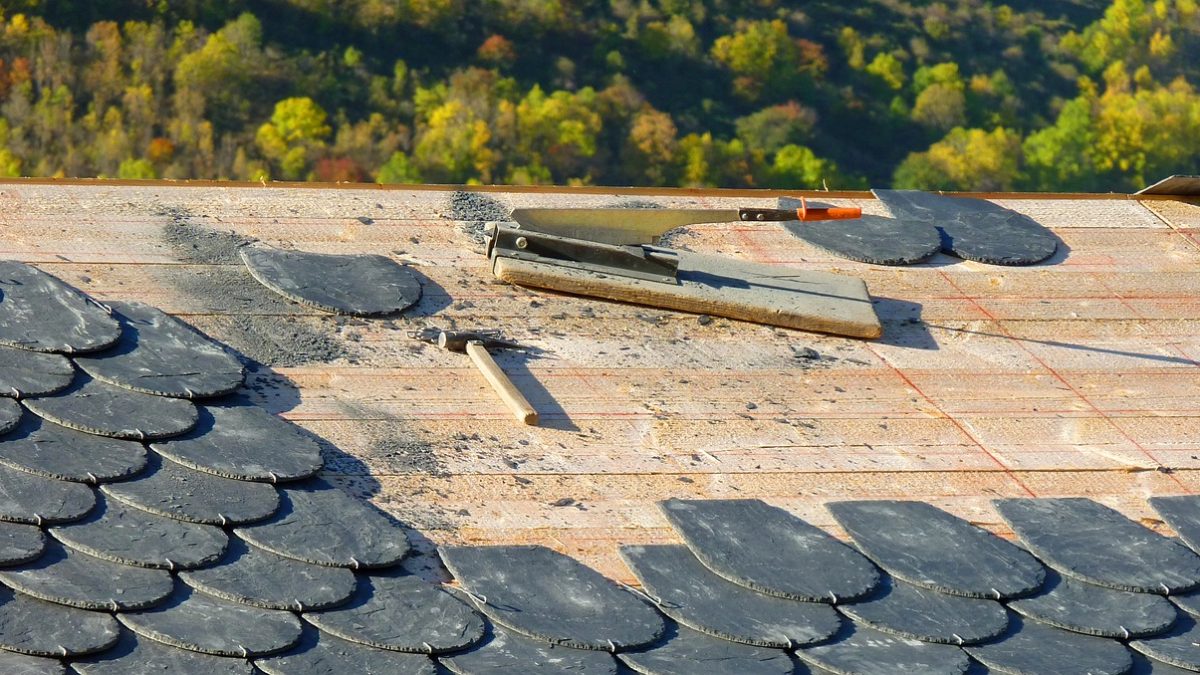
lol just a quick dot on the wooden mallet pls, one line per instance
(476, 346)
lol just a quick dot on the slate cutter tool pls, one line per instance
(476, 344)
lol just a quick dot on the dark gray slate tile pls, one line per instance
(256, 577)
(402, 613)
(1033, 647)
(105, 410)
(158, 354)
(1182, 513)
(54, 451)
(20, 543)
(25, 373)
(923, 545)
(41, 628)
(506, 652)
(21, 664)
(911, 611)
(860, 650)
(37, 500)
(320, 653)
(40, 313)
(140, 656)
(871, 239)
(686, 652)
(208, 625)
(975, 229)
(79, 580)
(10, 415)
(1096, 610)
(363, 285)
(170, 489)
(1188, 602)
(1179, 646)
(769, 550)
(131, 536)
(320, 524)
(246, 443)
(1143, 665)
(1089, 541)
(688, 592)
(543, 594)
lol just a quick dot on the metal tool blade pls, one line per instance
(620, 227)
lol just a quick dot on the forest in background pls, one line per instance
(1063, 95)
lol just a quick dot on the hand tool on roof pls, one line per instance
(476, 344)
(610, 253)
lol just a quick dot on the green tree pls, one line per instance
(966, 159)
(294, 137)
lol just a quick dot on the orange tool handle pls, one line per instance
(831, 213)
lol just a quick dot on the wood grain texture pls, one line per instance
(1079, 377)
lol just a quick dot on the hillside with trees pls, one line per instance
(958, 94)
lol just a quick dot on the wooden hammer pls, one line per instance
(476, 346)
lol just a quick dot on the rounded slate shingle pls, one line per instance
(106, 410)
(141, 656)
(79, 580)
(685, 590)
(769, 550)
(124, 534)
(22, 664)
(1144, 665)
(871, 239)
(159, 354)
(37, 500)
(506, 652)
(208, 625)
(910, 611)
(1177, 647)
(1032, 647)
(20, 543)
(685, 652)
(1182, 513)
(40, 313)
(1091, 542)
(403, 614)
(1096, 610)
(543, 594)
(24, 373)
(923, 545)
(245, 443)
(322, 654)
(175, 491)
(10, 415)
(256, 577)
(858, 649)
(320, 524)
(54, 451)
(41, 628)
(362, 285)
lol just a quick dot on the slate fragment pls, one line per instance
(127, 535)
(159, 354)
(10, 415)
(319, 653)
(923, 545)
(79, 580)
(208, 625)
(256, 577)
(685, 590)
(871, 239)
(543, 594)
(769, 550)
(507, 652)
(172, 490)
(1078, 606)
(245, 442)
(20, 543)
(105, 410)
(859, 649)
(37, 500)
(685, 652)
(40, 628)
(54, 451)
(39, 312)
(911, 611)
(1032, 647)
(360, 285)
(25, 373)
(974, 229)
(141, 656)
(1182, 513)
(402, 613)
(320, 524)
(1091, 542)
(21, 664)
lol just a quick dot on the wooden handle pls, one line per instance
(827, 213)
(504, 387)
